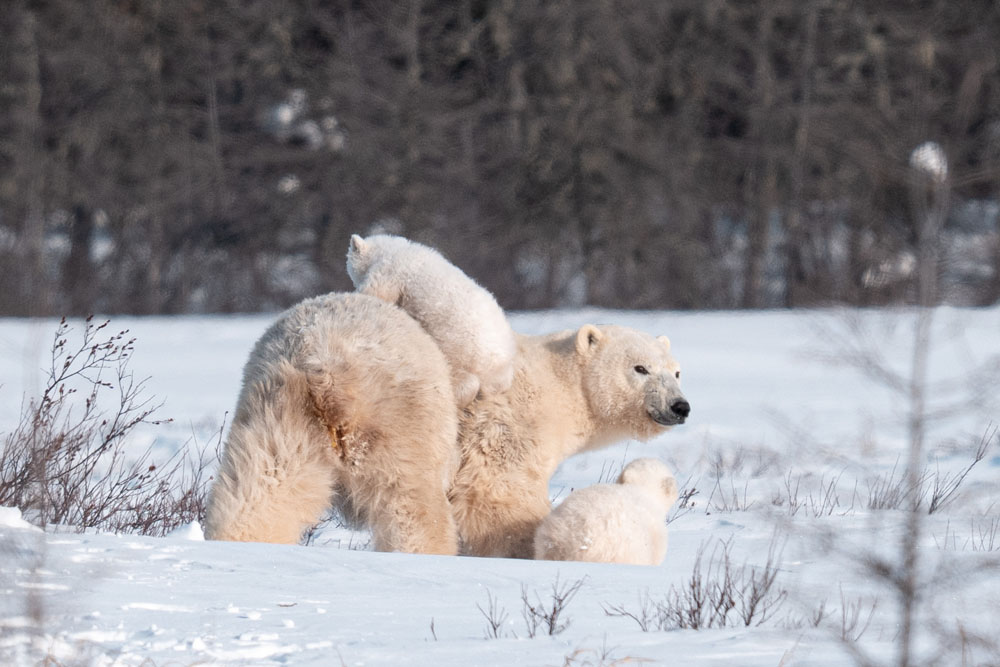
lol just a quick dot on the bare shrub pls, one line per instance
(790, 498)
(891, 492)
(650, 614)
(495, 615)
(984, 536)
(66, 463)
(731, 461)
(549, 616)
(685, 501)
(855, 617)
(719, 594)
(818, 615)
(357, 541)
(934, 490)
(611, 469)
(975, 648)
(825, 503)
(331, 518)
(733, 500)
(931, 490)
(946, 486)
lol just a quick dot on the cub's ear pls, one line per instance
(625, 477)
(358, 244)
(665, 341)
(587, 338)
(670, 490)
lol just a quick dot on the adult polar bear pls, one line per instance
(346, 400)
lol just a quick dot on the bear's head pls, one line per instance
(631, 381)
(653, 475)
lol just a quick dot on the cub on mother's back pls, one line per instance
(462, 317)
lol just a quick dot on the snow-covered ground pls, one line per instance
(790, 440)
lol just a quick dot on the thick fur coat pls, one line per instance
(613, 523)
(345, 400)
(348, 400)
(573, 391)
(464, 319)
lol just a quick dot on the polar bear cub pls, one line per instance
(613, 523)
(462, 317)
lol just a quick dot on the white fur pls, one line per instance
(464, 319)
(613, 523)
(345, 401)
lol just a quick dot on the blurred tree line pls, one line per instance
(165, 156)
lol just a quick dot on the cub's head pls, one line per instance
(653, 475)
(364, 253)
(631, 381)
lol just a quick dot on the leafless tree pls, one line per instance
(630, 154)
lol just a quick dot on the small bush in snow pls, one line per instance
(495, 615)
(541, 616)
(719, 594)
(932, 491)
(549, 616)
(65, 462)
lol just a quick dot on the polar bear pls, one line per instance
(464, 319)
(347, 400)
(573, 391)
(613, 523)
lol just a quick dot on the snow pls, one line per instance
(930, 158)
(191, 531)
(10, 517)
(789, 436)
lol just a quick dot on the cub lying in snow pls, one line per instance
(462, 317)
(613, 523)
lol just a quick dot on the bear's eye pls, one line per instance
(677, 375)
(641, 370)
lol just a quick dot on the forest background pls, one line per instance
(184, 156)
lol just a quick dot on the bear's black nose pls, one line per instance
(681, 407)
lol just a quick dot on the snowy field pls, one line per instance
(794, 442)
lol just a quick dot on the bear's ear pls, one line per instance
(665, 341)
(587, 338)
(358, 244)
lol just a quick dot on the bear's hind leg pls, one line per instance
(394, 426)
(275, 479)
(397, 486)
(259, 499)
